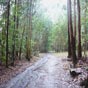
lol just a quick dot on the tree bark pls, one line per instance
(85, 40)
(29, 34)
(13, 39)
(79, 31)
(69, 40)
(7, 28)
(74, 35)
(73, 51)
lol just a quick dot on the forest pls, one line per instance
(29, 28)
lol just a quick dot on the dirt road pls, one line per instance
(46, 73)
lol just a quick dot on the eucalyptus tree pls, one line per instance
(7, 30)
(79, 30)
(85, 27)
(69, 36)
(74, 32)
(2, 30)
(72, 37)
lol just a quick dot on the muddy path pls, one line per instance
(48, 72)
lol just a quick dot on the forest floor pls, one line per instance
(51, 71)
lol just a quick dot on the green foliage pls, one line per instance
(45, 35)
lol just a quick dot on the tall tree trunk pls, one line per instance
(79, 30)
(69, 40)
(73, 51)
(13, 45)
(30, 26)
(28, 38)
(17, 24)
(85, 40)
(7, 28)
(3, 41)
(74, 35)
